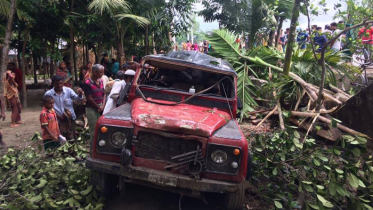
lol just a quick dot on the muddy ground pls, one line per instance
(136, 197)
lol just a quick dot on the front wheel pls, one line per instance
(107, 183)
(236, 199)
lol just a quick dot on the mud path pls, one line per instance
(30, 116)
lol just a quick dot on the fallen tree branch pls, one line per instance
(337, 90)
(299, 99)
(326, 120)
(326, 134)
(282, 126)
(260, 111)
(311, 126)
(266, 117)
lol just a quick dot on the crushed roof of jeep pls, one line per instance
(193, 59)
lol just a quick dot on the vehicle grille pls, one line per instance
(152, 146)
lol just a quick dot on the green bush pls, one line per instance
(289, 172)
(31, 180)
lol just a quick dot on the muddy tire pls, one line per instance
(235, 200)
(107, 183)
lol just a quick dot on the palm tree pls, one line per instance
(5, 10)
(120, 11)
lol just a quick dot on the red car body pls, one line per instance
(203, 121)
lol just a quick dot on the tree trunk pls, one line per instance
(5, 49)
(291, 39)
(74, 62)
(153, 44)
(99, 50)
(51, 70)
(87, 52)
(34, 57)
(281, 21)
(95, 52)
(84, 60)
(147, 40)
(40, 64)
(72, 49)
(24, 66)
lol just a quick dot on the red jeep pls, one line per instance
(177, 131)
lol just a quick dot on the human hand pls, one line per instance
(100, 109)
(55, 138)
(61, 118)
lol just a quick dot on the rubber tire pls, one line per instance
(107, 183)
(235, 200)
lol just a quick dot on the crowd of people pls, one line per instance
(320, 37)
(99, 89)
(202, 46)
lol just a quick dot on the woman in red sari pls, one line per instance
(64, 72)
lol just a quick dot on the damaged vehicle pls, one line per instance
(177, 131)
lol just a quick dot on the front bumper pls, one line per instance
(161, 178)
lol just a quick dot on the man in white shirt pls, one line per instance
(337, 44)
(119, 85)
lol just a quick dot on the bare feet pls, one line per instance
(13, 125)
(19, 122)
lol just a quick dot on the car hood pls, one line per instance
(181, 118)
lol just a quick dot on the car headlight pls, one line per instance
(219, 157)
(119, 139)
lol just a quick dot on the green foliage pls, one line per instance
(31, 180)
(338, 176)
(226, 47)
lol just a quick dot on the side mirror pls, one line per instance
(239, 104)
(239, 108)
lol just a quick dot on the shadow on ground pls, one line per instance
(139, 197)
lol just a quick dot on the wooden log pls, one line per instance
(326, 120)
(337, 90)
(326, 134)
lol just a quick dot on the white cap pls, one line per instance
(130, 72)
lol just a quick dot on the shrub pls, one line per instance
(292, 172)
(31, 180)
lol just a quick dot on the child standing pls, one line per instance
(49, 124)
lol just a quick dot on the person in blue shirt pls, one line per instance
(319, 39)
(302, 38)
(115, 66)
(63, 97)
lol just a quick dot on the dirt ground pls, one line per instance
(30, 117)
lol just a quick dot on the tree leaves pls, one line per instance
(324, 202)
(39, 182)
(328, 174)
(278, 204)
(42, 183)
(353, 180)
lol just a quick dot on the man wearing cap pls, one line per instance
(121, 80)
